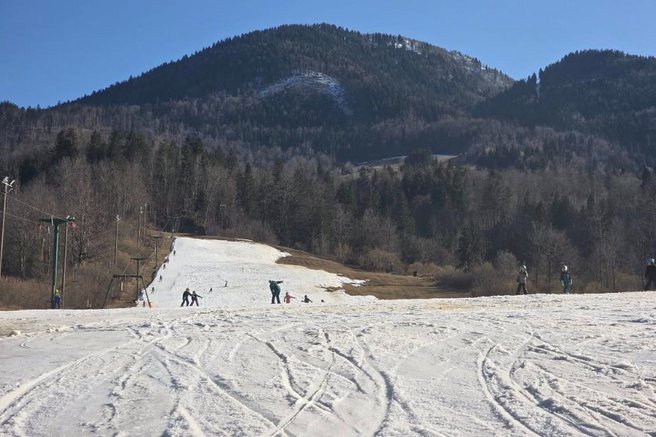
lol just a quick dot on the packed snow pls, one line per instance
(237, 365)
(238, 274)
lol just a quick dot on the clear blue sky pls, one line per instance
(57, 50)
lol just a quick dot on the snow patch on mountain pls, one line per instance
(311, 82)
(408, 44)
(475, 66)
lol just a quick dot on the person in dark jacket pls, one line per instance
(650, 275)
(522, 279)
(56, 300)
(565, 280)
(185, 298)
(194, 298)
(275, 291)
(306, 299)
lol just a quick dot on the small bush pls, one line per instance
(343, 253)
(423, 269)
(381, 260)
(452, 278)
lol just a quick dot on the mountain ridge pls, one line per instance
(361, 97)
(292, 47)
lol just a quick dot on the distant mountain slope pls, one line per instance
(606, 93)
(350, 95)
(360, 97)
(381, 74)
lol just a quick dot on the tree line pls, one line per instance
(482, 222)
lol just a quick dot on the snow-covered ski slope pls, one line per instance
(245, 267)
(516, 365)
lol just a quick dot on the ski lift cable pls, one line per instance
(21, 218)
(31, 206)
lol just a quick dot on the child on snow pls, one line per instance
(194, 298)
(306, 299)
(288, 297)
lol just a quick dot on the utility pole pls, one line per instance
(63, 283)
(145, 220)
(8, 186)
(55, 222)
(156, 238)
(118, 219)
(138, 259)
(222, 207)
(139, 225)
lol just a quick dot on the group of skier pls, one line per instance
(193, 295)
(565, 279)
(273, 286)
(275, 294)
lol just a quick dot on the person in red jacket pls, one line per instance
(288, 297)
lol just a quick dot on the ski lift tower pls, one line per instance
(55, 222)
(136, 277)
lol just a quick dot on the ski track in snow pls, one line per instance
(517, 365)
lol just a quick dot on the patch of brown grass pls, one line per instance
(18, 294)
(380, 285)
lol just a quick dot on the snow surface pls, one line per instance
(311, 81)
(245, 267)
(511, 365)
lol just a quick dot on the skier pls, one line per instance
(160, 278)
(185, 298)
(565, 280)
(141, 298)
(210, 290)
(288, 297)
(275, 291)
(306, 299)
(194, 298)
(522, 279)
(650, 274)
(56, 300)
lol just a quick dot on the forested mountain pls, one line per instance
(339, 92)
(603, 93)
(251, 138)
(377, 68)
